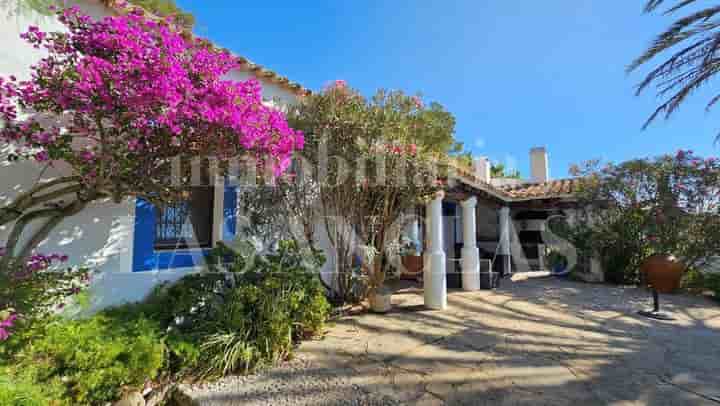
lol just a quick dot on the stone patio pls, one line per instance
(534, 342)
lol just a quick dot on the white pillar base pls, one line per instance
(435, 281)
(470, 269)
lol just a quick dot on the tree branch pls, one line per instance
(17, 230)
(69, 210)
(28, 201)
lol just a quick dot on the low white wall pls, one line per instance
(115, 288)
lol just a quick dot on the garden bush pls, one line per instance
(246, 317)
(701, 282)
(93, 359)
(205, 325)
(18, 389)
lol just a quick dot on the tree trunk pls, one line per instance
(55, 216)
(32, 198)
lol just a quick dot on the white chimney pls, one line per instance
(482, 168)
(539, 165)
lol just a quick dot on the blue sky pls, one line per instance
(515, 74)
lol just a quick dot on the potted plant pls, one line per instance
(379, 293)
(557, 262)
(411, 259)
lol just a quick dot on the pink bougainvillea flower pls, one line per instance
(5, 326)
(42, 156)
(87, 156)
(126, 83)
(8, 322)
(133, 144)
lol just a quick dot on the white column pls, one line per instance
(218, 208)
(504, 252)
(435, 282)
(470, 253)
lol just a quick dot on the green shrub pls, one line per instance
(206, 324)
(253, 318)
(698, 281)
(189, 301)
(184, 353)
(18, 389)
(712, 283)
(244, 314)
(95, 358)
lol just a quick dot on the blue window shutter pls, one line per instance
(145, 258)
(229, 212)
(144, 236)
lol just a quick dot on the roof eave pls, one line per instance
(244, 64)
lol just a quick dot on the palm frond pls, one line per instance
(687, 69)
(652, 5)
(679, 31)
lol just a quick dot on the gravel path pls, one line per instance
(295, 382)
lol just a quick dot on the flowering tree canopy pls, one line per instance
(376, 161)
(665, 205)
(116, 101)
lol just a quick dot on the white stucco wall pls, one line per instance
(271, 91)
(15, 54)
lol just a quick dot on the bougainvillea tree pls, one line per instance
(375, 161)
(114, 103)
(665, 205)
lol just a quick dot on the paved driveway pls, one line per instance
(536, 342)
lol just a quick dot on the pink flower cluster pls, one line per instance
(418, 102)
(5, 325)
(339, 85)
(133, 91)
(38, 262)
(397, 149)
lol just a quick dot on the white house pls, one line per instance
(133, 248)
(118, 240)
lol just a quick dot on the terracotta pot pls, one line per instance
(662, 272)
(413, 266)
(381, 300)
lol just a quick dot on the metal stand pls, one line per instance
(655, 312)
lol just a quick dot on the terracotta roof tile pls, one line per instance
(465, 175)
(524, 191)
(550, 189)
